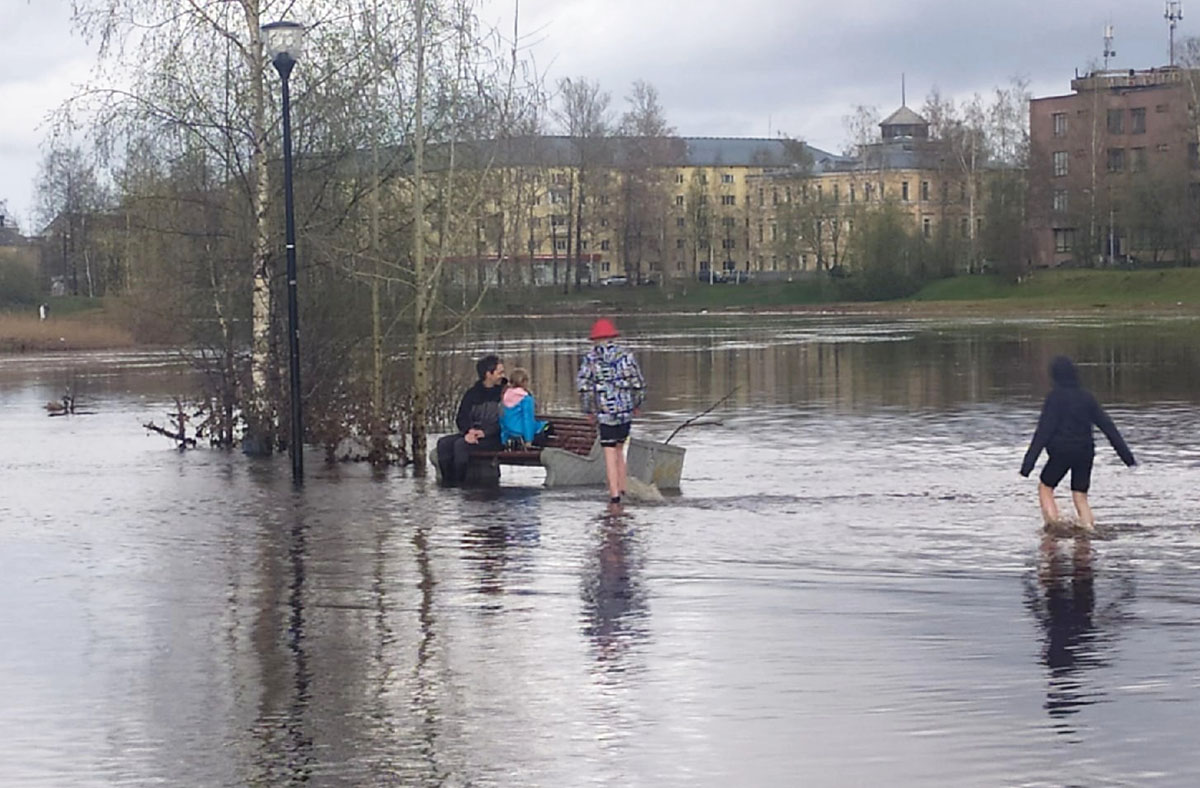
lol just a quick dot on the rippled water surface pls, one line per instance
(851, 588)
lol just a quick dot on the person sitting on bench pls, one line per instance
(478, 422)
(518, 427)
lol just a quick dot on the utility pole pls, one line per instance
(1173, 13)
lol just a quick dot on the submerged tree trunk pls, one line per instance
(259, 410)
(421, 306)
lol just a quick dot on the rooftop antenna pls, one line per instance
(1173, 14)
(1109, 52)
(903, 99)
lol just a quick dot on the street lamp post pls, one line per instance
(283, 40)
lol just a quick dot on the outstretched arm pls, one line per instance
(1047, 423)
(1101, 419)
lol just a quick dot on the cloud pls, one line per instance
(748, 68)
(40, 65)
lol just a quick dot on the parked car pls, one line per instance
(616, 281)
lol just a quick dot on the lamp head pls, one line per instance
(284, 40)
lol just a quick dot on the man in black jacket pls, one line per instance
(478, 422)
(1064, 430)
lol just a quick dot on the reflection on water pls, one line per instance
(614, 601)
(850, 589)
(1076, 637)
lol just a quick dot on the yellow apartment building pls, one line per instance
(560, 209)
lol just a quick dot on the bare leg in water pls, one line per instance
(1049, 507)
(1086, 520)
(614, 467)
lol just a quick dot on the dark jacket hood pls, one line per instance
(1063, 372)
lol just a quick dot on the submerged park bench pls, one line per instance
(571, 456)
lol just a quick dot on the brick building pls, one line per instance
(1113, 169)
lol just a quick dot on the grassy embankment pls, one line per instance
(1161, 290)
(73, 324)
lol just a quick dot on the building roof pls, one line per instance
(904, 117)
(9, 236)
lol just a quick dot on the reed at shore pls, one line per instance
(21, 333)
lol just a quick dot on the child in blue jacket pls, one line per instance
(517, 420)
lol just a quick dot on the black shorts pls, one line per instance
(613, 435)
(1079, 463)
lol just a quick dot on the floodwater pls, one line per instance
(851, 587)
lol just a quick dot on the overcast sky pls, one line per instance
(770, 66)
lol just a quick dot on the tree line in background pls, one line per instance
(176, 205)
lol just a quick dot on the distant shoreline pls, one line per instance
(1167, 292)
(21, 333)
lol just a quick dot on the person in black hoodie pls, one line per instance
(478, 422)
(1065, 432)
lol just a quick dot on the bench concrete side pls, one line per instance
(567, 469)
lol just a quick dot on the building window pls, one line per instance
(1137, 120)
(1060, 124)
(558, 220)
(728, 243)
(1116, 159)
(1064, 240)
(1162, 147)
(679, 199)
(850, 225)
(726, 178)
(964, 227)
(703, 179)
(560, 245)
(728, 221)
(559, 178)
(1060, 164)
(678, 243)
(535, 221)
(728, 199)
(1161, 107)
(604, 222)
(1060, 200)
(1193, 155)
(704, 199)
(1137, 159)
(604, 246)
(882, 193)
(703, 243)
(927, 226)
(583, 244)
(605, 267)
(904, 191)
(852, 193)
(681, 222)
(787, 194)
(760, 232)
(774, 232)
(925, 190)
(774, 196)
(1116, 121)
(679, 177)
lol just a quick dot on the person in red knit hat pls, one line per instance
(611, 391)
